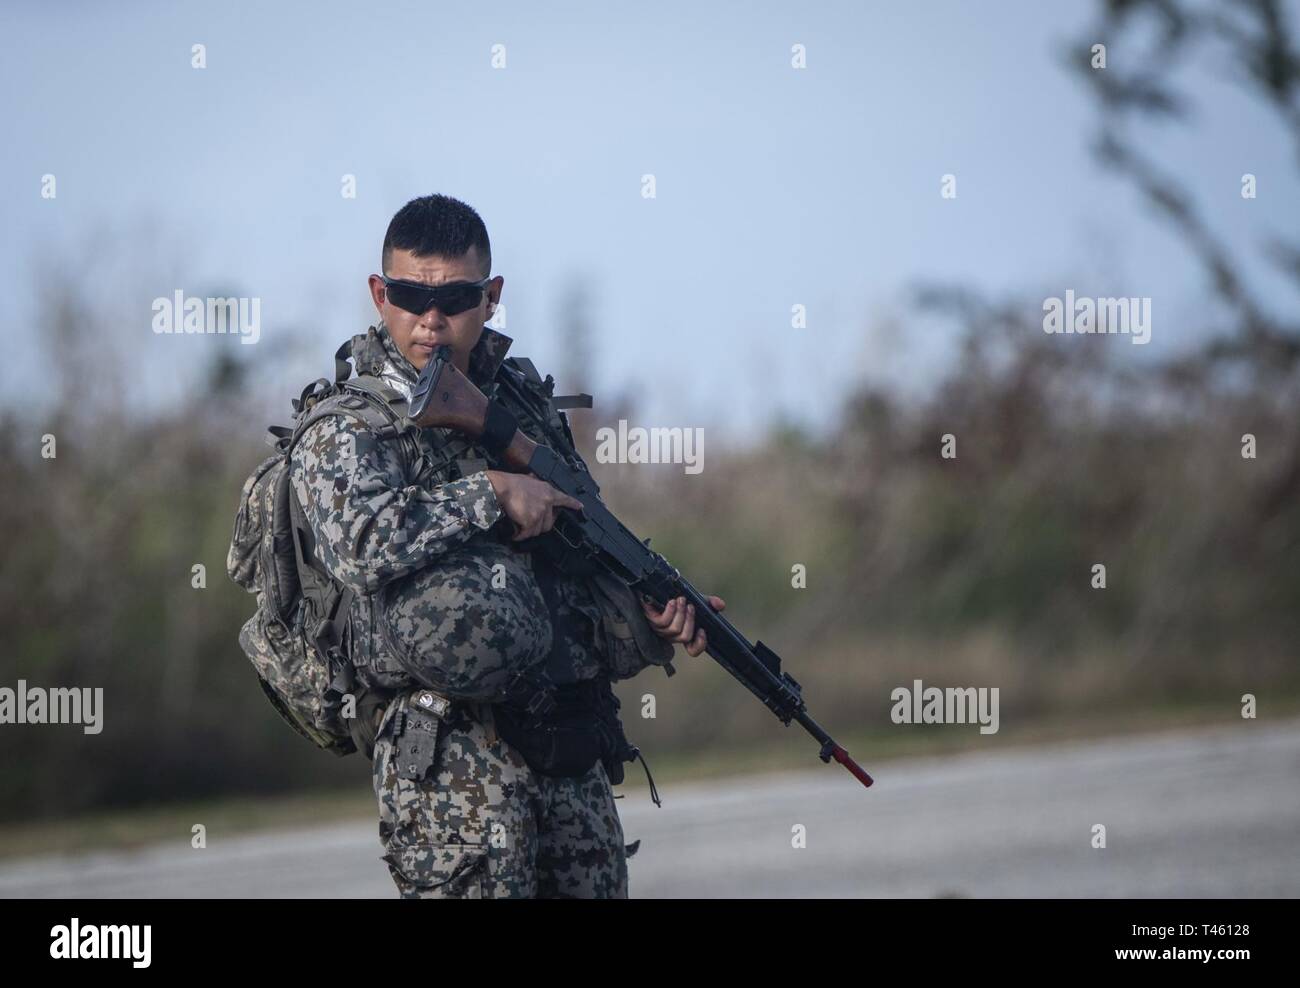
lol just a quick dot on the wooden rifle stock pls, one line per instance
(445, 398)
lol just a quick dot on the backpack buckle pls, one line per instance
(536, 701)
(321, 638)
(540, 704)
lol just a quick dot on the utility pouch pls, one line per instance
(416, 733)
(581, 729)
(564, 743)
(364, 727)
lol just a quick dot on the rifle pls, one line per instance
(443, 397)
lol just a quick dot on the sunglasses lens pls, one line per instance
(452, 301)
(410, 297)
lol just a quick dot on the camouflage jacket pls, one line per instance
(379, 514)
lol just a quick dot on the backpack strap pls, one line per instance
(536, 401)
(366, 400)
(526, 367)
(529, 371)
(387, 398)
(342, 369)
(564, 402)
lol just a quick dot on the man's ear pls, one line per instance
(494, 293)
(377, 292)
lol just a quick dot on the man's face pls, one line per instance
(417, 335)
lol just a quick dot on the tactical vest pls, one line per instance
(579, 723)
(439, 456)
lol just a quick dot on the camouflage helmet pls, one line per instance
(467, 623)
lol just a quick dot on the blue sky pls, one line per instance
(775, 186)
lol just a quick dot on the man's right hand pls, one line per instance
(528, 502)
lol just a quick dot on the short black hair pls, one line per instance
(437, 226)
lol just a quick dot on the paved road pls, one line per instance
(1206, 813)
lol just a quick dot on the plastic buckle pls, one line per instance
(540, 704)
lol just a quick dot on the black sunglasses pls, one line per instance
(450, 299)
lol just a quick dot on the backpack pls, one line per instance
(298, 639)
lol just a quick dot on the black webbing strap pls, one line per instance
(363, 728)
(654, 793)
(342, 369)
(499, 428)
(562, 402)
(342, 613)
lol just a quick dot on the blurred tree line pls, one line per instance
(968, 571)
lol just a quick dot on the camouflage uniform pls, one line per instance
(482, 824)
(461, 813)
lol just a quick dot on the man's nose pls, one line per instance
(432, 318)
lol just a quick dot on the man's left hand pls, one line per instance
(676, 622)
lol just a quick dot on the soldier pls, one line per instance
(497, 733)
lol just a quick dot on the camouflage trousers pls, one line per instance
(462, 816)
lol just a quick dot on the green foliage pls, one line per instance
(972, 571)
